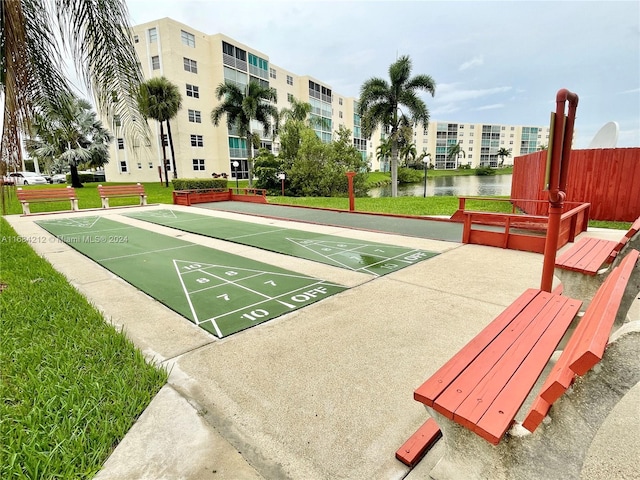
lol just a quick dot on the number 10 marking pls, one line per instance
(255, 314)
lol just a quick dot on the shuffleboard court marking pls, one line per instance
(221, 292)
(80, 222)
(149, 252)
(365, 257)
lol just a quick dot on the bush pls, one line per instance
(482, 171)
(199, 183)
(409, 175)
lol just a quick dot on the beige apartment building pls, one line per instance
(197, 63)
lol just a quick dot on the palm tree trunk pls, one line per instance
(164, 157)
(394, 169)
(75, 178)
(173, 153)
(250, 158)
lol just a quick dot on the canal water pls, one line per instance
(461, 186)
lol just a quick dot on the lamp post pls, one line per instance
(282, 176)
(236, 164)
(425, 161)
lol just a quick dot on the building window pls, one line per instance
(136, 39)
(340, 114)
(121, 144)
(198, 164)
(150, 164)
(155, 62)
(139, 166)
(123, 166)
(153, 35)
(272, 72)
(289, 97)
(289, 80)
(193, 91)
(190, 65)
(116, 120)
(188, 38)
(194, 116)
(339, 101)
(196, 141)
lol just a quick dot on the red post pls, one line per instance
(350, 176)
(561, 139)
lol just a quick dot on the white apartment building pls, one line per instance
(197, 63)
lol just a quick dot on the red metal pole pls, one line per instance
(350, 176)
(560, 153)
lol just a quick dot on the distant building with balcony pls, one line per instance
(197, 63)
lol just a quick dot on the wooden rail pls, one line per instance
(190, 197)
(518, 231)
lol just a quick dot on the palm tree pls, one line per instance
(35, 35)
(408, 153)
(67, 130)
(299, 111)
(383, 152)
(161, 100)
(241, 106)
(502, 153)
(380, 103)
(453, 153)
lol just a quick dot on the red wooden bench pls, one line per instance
(587, 344)
(110, 191)
(483, 387)
(588, 255)
(46, 195)
(583, 267)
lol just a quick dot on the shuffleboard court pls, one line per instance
(221, 292)
(360, 256)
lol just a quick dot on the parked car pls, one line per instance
(59, 178)
(27, 178)
(46, 177)
(7, 181)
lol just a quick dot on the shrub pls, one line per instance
(409, 175)
(199, 183)
(481, 171)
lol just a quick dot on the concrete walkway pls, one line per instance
(325, 392)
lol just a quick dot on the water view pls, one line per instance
(493, 185)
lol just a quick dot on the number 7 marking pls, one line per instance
(224, 296)
(270, 282)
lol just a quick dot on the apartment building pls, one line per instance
(197, 63)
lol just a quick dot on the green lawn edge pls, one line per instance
(71, 384)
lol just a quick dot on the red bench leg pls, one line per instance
(412, 451)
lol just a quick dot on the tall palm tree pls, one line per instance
(241, 106)
(380, 105)
(408, 153)
(383, 152)
(453, 153)
(68, 130)
(299, 111)
(502, 153)
(161, 100)
(34, 36)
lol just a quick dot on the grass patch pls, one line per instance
(430, 206)
(72, 386)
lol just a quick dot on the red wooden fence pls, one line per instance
(608, 179)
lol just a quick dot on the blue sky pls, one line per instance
(498, 62)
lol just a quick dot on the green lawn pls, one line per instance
(72, 386)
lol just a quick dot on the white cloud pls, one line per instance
(474, 62)
(490, 107)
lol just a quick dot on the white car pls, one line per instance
(59, 178)
(27, 178)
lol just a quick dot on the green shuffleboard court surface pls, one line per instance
(357, 255)
(220, 292)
